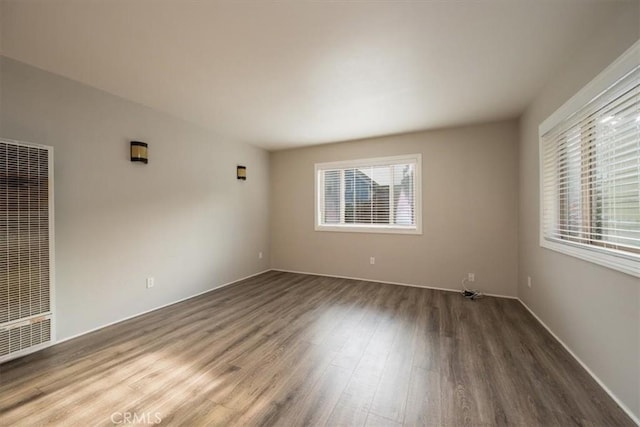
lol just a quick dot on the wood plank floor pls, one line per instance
(291, 350)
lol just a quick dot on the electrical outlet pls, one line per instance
(372, 260)
(150, 282)
(471, 277)
(259, 255)
(529, 281)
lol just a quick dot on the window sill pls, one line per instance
(627, 264)
(369, 229)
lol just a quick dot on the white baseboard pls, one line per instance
(412, 285)
(158, 308)
(628, 411)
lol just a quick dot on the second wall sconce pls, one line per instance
(139, 152)
(242, 172)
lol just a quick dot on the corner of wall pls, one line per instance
(597, 330)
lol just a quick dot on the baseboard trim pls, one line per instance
(158, 308)
(386, 282)
(628, 411)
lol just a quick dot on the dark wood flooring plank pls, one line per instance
(424, 399)
(374, 420)
(352, 407)
(391, 395)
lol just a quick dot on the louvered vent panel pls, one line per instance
(24, 337)
(25, 287)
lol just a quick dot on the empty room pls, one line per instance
(320, 213)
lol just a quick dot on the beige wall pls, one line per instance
(469, 212)
(593, 309)
(184, 218)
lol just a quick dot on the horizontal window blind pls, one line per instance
(591, 173)
(375, 193)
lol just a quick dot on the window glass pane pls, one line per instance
(366, 195)
(616, 207)
(331, 210)
(403, 194)
(570, 189)
(380, 180)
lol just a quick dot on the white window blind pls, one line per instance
(370, 195)
(590, 177)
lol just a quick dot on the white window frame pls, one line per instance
(367, 228)
(626, 263)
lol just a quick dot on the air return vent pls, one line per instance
(26, 228)
(25, 336)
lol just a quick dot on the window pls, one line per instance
(590, 171)
(371, 195)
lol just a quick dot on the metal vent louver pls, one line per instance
(24, 337)
(25, 250)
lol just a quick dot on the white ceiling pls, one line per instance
(292, 73)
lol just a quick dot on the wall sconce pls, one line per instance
(242, 173)
(139, 152)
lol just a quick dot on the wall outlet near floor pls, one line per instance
(529, 281)
(471, 277)
(259, 255)
(150, 282)
(372, 260)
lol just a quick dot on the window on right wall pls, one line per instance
(590, 170)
